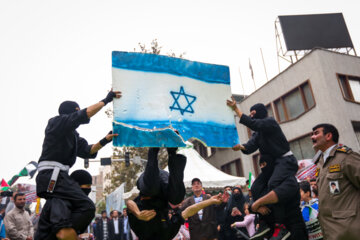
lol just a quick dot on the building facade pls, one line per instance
(322, 87)
(100, 182)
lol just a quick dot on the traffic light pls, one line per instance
(105, 161)
(86, 163)
(127, 159)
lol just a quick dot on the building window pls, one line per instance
(356, 126)
(280, 110)
(350, 87)
(200, 148)
(205, 152)
(233, 168)
(302, 147)
(295, 103)
(269, 110)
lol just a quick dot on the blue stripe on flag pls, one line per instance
(209, 73)
(211, 134)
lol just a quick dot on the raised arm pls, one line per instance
(265, 124)
(244, 223)
(193, 209)
(232, 104)
(93, 109)
(107, 139)
(255, 124)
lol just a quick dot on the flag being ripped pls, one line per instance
(166, 101)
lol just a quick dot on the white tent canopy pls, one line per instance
(197, 167)
(210, 176)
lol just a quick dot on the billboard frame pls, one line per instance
(292, 56)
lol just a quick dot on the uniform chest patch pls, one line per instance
(334, 168)
(334, 187)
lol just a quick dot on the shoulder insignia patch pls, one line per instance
(317, 172)
(343, 148)
(335, 168)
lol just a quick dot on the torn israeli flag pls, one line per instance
(162, 94)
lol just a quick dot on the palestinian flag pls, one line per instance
(4, 185)
(251, 180)
(28, 170)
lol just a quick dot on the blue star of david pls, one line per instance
(189, 99)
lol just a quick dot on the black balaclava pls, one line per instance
(261, 111)
(87, 191)
(68, 107)
(82, 177)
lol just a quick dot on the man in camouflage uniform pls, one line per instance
(338, 180)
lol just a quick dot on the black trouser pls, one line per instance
(278, 175)
(260, 186)
(155, 181)
(69, 208)
(162, 187)
(294, 221)
(287, 211)
(284, 184)
(55, 215)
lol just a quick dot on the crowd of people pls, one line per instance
(276, 207)
(232, 219)
(113, 227)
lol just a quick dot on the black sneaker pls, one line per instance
(262, 232)
(280, 232)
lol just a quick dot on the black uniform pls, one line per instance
(55, 215)
(292, 218)
(271, 142)
(279, 173)
(158, 188)
(63, 144)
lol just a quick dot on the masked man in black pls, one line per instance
(56, 210)
(282, 184)
(161, 191)
(62, 144)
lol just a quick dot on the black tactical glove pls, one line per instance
(104, 141)
(109, 97)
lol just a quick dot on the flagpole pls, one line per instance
(249, 187)
(252, 73)
(262, 56)
(242, 84)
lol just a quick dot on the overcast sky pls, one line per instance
(51, 51)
